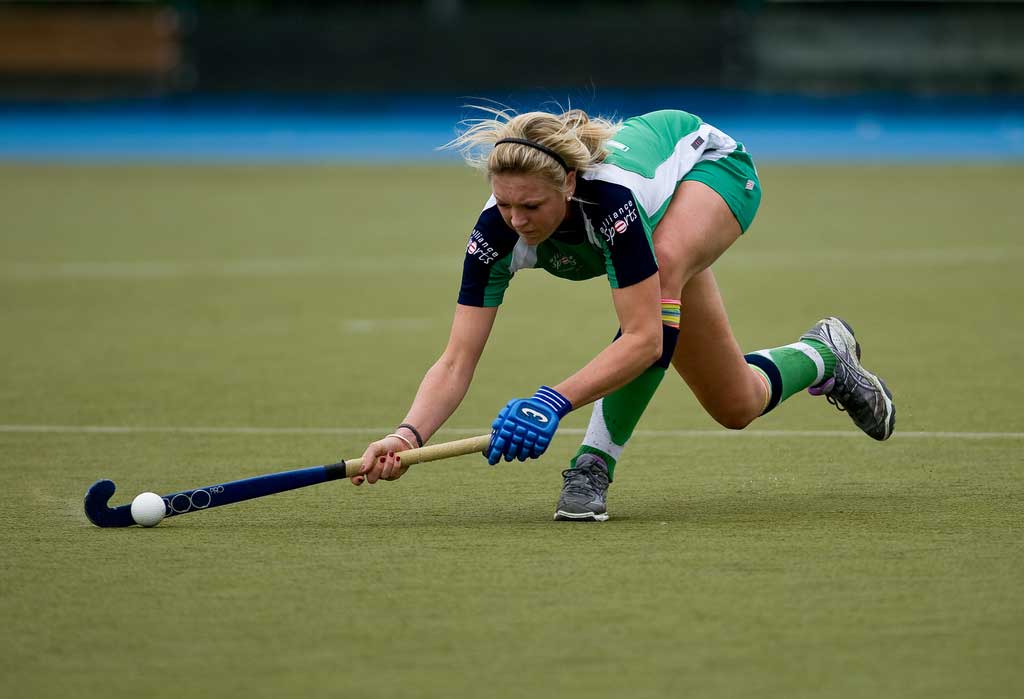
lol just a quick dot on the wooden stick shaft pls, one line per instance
(433, 452)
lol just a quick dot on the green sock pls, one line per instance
(792, 368)
(615, 416)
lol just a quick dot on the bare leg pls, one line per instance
(697, 228)
(710, 360)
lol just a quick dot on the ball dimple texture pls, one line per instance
(148, 509)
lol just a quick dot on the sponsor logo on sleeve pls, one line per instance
(617, 222)
(697, 143)
(479, 248)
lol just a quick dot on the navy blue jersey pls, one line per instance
(621, 201)
(604, 234)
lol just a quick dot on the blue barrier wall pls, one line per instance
(406, 128)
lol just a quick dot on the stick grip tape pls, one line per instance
(434, 452)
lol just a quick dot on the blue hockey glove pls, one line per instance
(524, 427)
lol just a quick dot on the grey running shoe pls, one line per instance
(584, 491)
(853, 389)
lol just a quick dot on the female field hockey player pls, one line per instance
(651, 203)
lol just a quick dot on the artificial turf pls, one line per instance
(171, 327)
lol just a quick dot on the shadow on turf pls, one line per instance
(856, 508)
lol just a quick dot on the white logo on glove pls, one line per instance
(533, 414)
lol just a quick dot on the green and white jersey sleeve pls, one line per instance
(653, 152)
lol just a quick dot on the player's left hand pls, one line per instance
(525, 426)
(381, 461)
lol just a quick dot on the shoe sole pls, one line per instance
(563, 516)
(891, 423)
(890, 407)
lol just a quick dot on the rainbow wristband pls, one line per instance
(670, 312)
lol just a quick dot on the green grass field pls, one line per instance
(227, 322)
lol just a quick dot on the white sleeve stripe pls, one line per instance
(652, 193)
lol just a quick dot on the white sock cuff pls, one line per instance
(598, 435)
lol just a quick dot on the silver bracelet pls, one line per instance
(401, 438)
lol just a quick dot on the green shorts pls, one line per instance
(734, 177)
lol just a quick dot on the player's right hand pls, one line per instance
(525, 426)
(381, 461)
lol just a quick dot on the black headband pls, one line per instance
(533, 144)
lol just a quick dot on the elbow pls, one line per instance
(651, 350)
(644, 349)
(455, 367)
(656, 352)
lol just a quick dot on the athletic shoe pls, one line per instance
(853, 388)
(584, 491)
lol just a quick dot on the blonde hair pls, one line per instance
(577, 137)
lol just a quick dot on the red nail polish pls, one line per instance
(382, 459)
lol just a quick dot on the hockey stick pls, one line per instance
(99, 494)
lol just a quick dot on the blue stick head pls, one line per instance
(96, 509)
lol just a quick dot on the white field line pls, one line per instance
(814, 434)
(362, 326)
(176, 269)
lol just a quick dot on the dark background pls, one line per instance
(54, 51)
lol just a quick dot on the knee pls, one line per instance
(733, 419)
(671, 258)
(675, 267)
